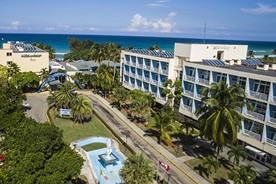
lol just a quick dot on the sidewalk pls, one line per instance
(176, 162)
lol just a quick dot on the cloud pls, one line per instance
(15, 25)
(158, 3)
(142, 24)
(50, 29)
(93, 29)
(12, 26)
(261, 9)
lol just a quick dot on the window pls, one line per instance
(221, 77)
(9, 54)
(261, 86)
(239, 80)
(191, 72)
(9, 62)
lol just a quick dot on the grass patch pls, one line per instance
(94, 146)
(73, 132)
(216, 177)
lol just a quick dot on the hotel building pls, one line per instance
(26, 56)
(199, 65)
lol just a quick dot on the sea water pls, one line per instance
(60, 42)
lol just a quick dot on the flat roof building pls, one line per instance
(199, 65)
(26, 56)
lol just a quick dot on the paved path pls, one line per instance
(38, 103)
(137, 139)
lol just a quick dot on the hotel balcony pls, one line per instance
(204, 81)
(140, 65)
(257, 95)
(189, 108)
(127, 62)
(133, 64)
(198, 96)
(272, 120)
(139, 76)
(255, 115)
(162, 98)
(191, 78)
(253, 134)
(154, 94)
(165, 72)
(189, 93)
(273, 99)
(131, 84)
(146, 79)
(155, 69)
(126, 73)
(270, 141)
(154, 82)
(132, 74)
(147, 67)
(139, 87)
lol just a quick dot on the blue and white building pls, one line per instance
(199, 65)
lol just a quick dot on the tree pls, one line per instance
(236, 152)
(27, 81)
(13, 69)
(250, 54)
(210, 163)
(164, 123)
(266, 57)
(218, 117)
(274, 53)
(43, 74)
(105, 77)
(154, 47)
(81, 109)
(244, 175)
(271, 176)
(120, 95)
(63, 96)
(47, 48)
(137, 169)
(98, 52)
(172, 91)
(114, 54)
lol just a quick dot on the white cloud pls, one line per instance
(93, 29)
(261, 9)
(158, 3)
(12, 26)
(15, 25)
(142, 24)
(50, 28)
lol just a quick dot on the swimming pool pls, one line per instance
(108, 174)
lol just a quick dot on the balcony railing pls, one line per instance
(165, 72)
(133, 64)
(203, 81)
(256, 115)
(258, 95)
(162, 98)
(154, 94)
(128, 62)
(190, 93)
(146, 79)
(132, 73)
(199, 96)
(270, 141)
(154, 82)
(272, 120)
(140, 65)
(127, 73)
(139, 76)
(191, 78)
(154, 69)
(161, 84)
(253, 134)
(139, 87)
(131, 84)
(147, 67)
(189, 108)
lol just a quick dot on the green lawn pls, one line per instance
(94, 146)
(73, 132)
(221, 173)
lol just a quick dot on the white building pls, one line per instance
(199, 65)
(26, 56)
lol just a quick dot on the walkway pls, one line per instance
(136, 138)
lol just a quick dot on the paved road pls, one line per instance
(38, 105)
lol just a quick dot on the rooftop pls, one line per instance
(23, 47)
(163, 54)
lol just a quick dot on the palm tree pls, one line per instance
(250, 54)
(210, 163)
(271, 176)
(13, 69)
(65, 95)
(136, 170)
(274, 53)
(236, 152)
(164, 123)
(218, 117)
(244, 175)
(44, 73)
(266, 56)
(104, 74)
(120, 95)
(81, 109)
(47, 48)
(98, 52)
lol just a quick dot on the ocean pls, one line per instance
(60, 42)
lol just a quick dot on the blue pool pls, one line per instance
(106, 174)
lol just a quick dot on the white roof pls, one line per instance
(255, 150)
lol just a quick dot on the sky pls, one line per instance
(224, 19)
